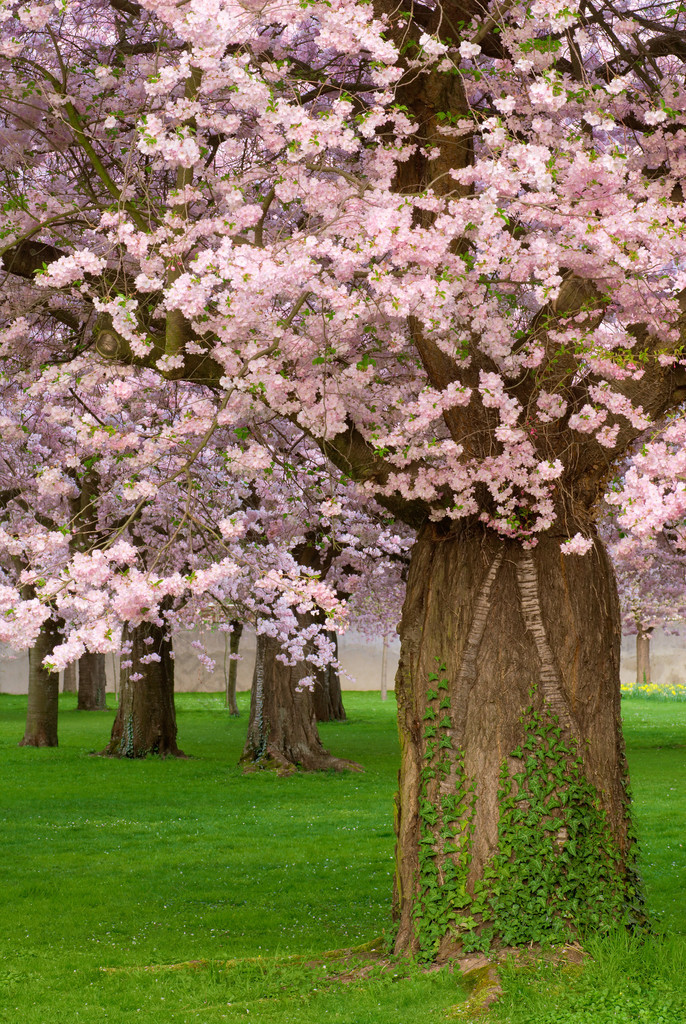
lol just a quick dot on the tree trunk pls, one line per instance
(643, 656)
(512, 814)
(44, 688)
(92, 683)
(326, 696)
(146, 719)
(384, 669)
(70, 680)
(235, 642)
(282, 731)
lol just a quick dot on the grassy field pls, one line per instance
(108, 868)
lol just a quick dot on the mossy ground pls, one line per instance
(134, 864)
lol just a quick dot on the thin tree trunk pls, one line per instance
(327, 696)
(384, 669)
(232, 676)
(115, 676)
(70, 681)
(92, 683)
(643, 656)
(146, 718)
(282, 731)
(512, 814)
(44, 686)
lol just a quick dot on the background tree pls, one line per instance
(233, 642)
(651, 578)
(92, 691)
(145, 722)
(646, 537)
(128, 509)
(41, 712)
(326, 692)
(70, 679)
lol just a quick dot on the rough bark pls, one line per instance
(92, 683)
(327, 696)
(231, 678)
(643, 656)
(44, 686)
(146, 719)
(282, 731)
(504, 649)
(70, 679)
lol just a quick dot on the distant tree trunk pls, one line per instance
(44, 686)
(384, 669)
(146, 719)
(92, 682)
(235, 640)
(326, 696)
(282, 731)
(70, 681)
(643, 656)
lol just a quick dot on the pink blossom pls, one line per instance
(576, 545)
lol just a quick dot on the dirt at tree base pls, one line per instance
(476, 975)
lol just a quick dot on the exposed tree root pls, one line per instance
(377, 945)
(273, 760)
(477, 975)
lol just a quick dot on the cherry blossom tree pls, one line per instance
(651, 580)
(104, 557)
(646, 536)
(445, 242)
(283, 713)
(155, 498)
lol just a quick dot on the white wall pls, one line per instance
(361, 661)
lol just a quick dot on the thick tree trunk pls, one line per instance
(146, 719)
(44, 687)
(282, 731)
(512, 815)
(643, 656)
(231, 678)
(92, 683)
(326, 696)
(70, 679)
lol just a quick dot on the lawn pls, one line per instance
(109, 867)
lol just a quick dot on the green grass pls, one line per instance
(128, 864)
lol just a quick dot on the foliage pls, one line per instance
(446, 812)
(654, 691)
(556, 872)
